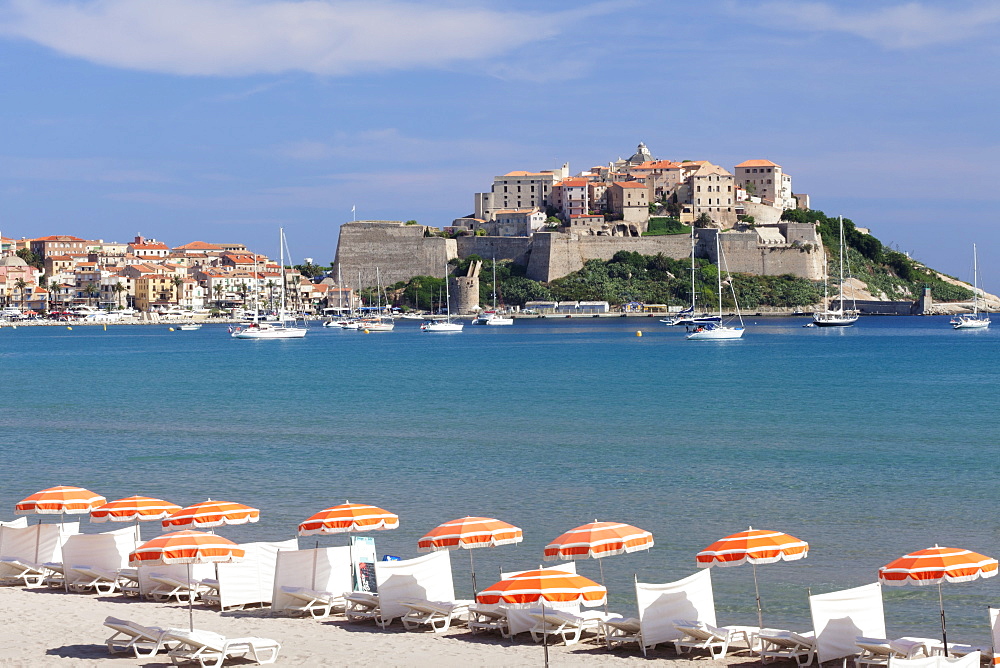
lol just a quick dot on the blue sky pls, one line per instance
(220, 120)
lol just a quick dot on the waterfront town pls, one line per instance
(61, 273)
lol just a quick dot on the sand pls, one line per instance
(46, 627)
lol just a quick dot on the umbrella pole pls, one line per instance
(190, 599)
(545, 635)
(944, 629)
(601, 564)
(756, 591)
(472, 565)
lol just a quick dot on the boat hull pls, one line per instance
(269, 333)
(441, 327)
(970, 323)
(717, 334)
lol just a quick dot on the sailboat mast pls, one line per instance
(841, 220)
(975, 281)
(693, 298)
(718, 259)
(494, 284)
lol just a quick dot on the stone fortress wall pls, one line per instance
(401, 252)
(396, 251)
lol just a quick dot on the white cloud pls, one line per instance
(903, 26)
(242, 37)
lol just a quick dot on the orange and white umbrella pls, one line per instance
(186, 547)
(545, 585)
(134, 509)
(209, 514)
(469, 533)
(597, 540)
(753, 546)
(60, 501)
(937, 565)
(349, 518)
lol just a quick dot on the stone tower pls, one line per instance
(465, 290)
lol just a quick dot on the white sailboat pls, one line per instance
(687, 316)
(284, 328)
(492, 317)
(382, 322)
(974, 320)
(711, 331)
(838, 317)
(445, 325)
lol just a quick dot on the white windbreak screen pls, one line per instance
(19, 523)
(841, 616)
(970, 660)
(39, 543)
(427, 578)
(320, 569)
(252, 579)
(995, 628)
(661, 604)
(107, 551)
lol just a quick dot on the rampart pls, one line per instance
(397, 251)
(401, 252)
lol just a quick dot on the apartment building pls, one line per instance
(766, 180)
(519, 190)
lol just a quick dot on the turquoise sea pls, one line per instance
(867, 442)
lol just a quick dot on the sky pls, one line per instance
(223, 120)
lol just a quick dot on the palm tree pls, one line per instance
(271, 285)
(20, 284)
(241, 290)
(177, 282)
(118, 289)
(91, 291)
(218, 289)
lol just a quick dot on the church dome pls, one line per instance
(12, 261)
(642, 155)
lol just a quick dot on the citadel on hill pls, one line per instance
(552, 222)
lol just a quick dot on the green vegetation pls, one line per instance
(652, 279)
(883, 270)
(660, 226)
(32, 259)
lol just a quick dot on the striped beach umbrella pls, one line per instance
(60, 501)
(753, 546)
(349, 518)
(937, 565)
(544, 585)
(186, 547)
(597, 540)
(134, 509)
(209, 514)
(469, 533)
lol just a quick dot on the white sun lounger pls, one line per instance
(777, 645)
(211, 649)
(621, 631)
(54, 574)
(128, 580)
(28, 574)
(362, 606)
(566, 625)
(878, 651)
(715, 639)
(483, 619)
(97, 580)
(436, 614)
(318, 604)
(129, 635)
(167, 587)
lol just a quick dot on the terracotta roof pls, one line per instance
(629, 184)
(528, 174)
(573, 181)
(758, 163)
(59, 237)
(198, 245)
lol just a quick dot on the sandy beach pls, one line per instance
(47, 627)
